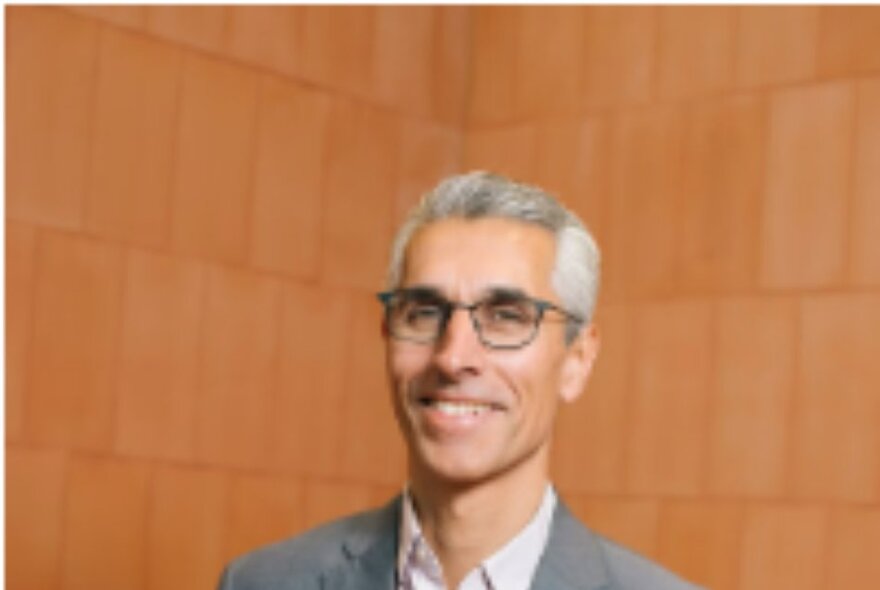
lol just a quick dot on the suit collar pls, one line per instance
(572, 558)
(370, 553)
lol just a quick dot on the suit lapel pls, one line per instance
(572, 559)
(371, 555)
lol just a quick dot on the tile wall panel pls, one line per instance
(848, 40)
(134, 139)
(667, 431)
(238, 373)
(756, 350)
(75, 342)
(262, 509)
(646, 185)
(451, 64)
(403, 53)
(619, 61)
(21, 244)
(159, 356)
(494, 65)
(723, 187)
(696, 48)
(340, 61)
(312, 395)
(130, 16)
(214, 174)
(633, 523)
(855, 533)
(361, 172)
(428, 153)
(202, 27)
(507, 150)
(328, 500)
(35, 485)
(289, 178)
(105, 524)
(776, 44)
(571, 161)
(50, 75)
(548, 79)
(266, 36)
(186, 527)
(836, 439)
(807, 185)
(783, 547)
(865, 215)
(701, 541)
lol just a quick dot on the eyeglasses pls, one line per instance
(505, 319)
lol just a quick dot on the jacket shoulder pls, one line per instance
(631, 571)
(298, 563)
(577, 557)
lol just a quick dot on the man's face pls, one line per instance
(468, 412)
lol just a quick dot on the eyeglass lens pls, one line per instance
(501, 320)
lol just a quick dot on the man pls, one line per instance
(487, 328)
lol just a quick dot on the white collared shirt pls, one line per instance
(510, 568)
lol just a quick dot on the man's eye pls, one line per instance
(509, 313)
(419, 312)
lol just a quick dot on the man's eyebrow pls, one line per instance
(425, 291)
(491, 292)
(504, 292)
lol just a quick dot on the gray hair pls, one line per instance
(480, 194)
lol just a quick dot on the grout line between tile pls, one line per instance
(793, 407)
(29, 325)
(712, 395)
(849, 247)
(91, 124)
(149, 513)
(199, 393)
(174, 153)
(118, 353)
(30, 364)
(276, 420)
(61, 551)
(259, 93)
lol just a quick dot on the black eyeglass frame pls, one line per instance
(447, 308)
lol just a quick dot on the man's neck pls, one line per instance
(465, 524)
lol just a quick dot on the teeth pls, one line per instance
(460, 408)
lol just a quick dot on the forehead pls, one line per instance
(467, 257)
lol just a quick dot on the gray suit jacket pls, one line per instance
(360, 553)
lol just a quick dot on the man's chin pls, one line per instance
(455, 472)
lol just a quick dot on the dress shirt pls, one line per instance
(510, 568)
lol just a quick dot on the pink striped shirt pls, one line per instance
(510, 568)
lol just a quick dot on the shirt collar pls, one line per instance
(511, 567)
(414, 551)
(514, 565)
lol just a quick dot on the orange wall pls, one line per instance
(199, 201)
(729, 161)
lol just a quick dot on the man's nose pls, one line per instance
(459, 349)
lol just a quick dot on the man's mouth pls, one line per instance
(457, 407)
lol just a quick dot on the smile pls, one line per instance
(458, 408)
(447, 416)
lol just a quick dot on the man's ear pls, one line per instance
(578, 363)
